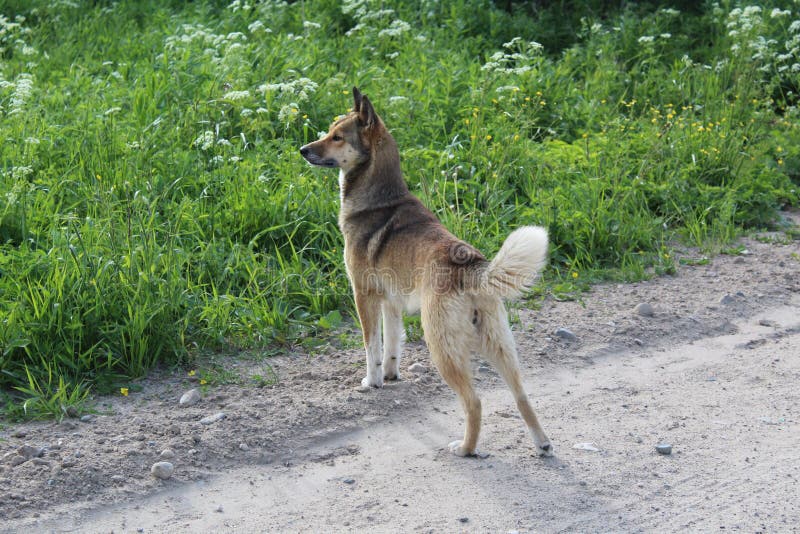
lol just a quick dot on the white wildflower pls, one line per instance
(20, 172)
(236, 95)
(513, 42)
(246, 112)
(665, 35)
(301, 88)
(234, 159)
(779, 13)
(646, 39)
(224, 142)
(217, 160)
(794, 27)
(519, 59)
(507, 89)
(396, 28)
(205, 140)
(257, 26)
(307, 24)
(397, 99)
(28, 50)
(670, 11)
(354, 30)
(749, 11)
(23, 88)
(377, 14)
(288, 112)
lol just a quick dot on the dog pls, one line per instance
(399, 257)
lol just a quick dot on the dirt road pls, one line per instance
(728, 405)
(714, 372)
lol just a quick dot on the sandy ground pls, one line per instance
(714, 373)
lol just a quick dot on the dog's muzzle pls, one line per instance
(314, 159)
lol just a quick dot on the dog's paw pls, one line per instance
(545, 449)
(371, 382)
(457, 448)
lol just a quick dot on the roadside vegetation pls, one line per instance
(153, 203)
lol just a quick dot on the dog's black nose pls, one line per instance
(304, 151)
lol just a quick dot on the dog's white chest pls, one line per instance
(341, 185)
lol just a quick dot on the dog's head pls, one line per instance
(350, 140)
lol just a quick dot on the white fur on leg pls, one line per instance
(374, 378)
(543, 445)
(393, 336)
(457, 448)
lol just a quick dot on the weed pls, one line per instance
(155, 207)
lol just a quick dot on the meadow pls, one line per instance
(153, 203)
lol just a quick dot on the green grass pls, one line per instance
(154, 203)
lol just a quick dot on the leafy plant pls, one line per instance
(154, 205)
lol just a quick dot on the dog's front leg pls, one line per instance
(369, 313)
(393, 335)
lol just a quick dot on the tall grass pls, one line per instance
(153, 200)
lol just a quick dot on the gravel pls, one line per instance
(162, 470)
(566, 334)
(664, 448)
(190, 398)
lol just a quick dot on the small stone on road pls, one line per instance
(190, 398)
(162, 470)
(664, 448)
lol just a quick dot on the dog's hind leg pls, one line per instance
(450, 352)
(393, 335)
(369, 311)
(499, 349)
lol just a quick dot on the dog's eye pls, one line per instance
(336, 137)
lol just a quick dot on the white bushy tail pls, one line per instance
(522, 256)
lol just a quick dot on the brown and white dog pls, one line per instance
(399, 257)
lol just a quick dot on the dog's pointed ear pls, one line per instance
(367, 113)
(357, 97)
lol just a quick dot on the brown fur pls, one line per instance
(399, 257)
